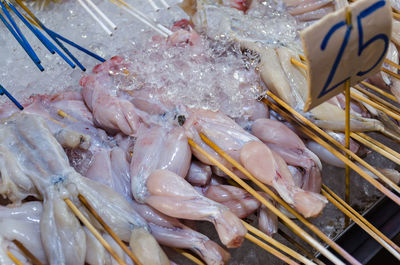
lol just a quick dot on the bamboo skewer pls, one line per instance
(377, 99)
(186, 254)
(109, 230)
(373, 181)
(27, 253)
(376, 148)
(63, 114)
(392, 63)
(300, 247)
(366, 228)
(343, 206)
(299, 64)
(378, 90)
(300, 232)
(189, 256)
(347, 137)
(395, 75)
(375, 105)
(380, 145)
(14, 258)
(359, 216)
(278, 244)
(182, 252)
(93, 230)
(270, 249)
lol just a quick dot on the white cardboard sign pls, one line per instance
(336, 51)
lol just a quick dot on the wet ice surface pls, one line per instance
(193, 76)
(266, 23)
(182, 75)
(70, 20)
(395, 4)
(21, 77)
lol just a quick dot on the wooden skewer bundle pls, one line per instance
(335, 199)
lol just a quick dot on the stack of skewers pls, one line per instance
(131, 126)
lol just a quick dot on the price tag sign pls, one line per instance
(339, 49)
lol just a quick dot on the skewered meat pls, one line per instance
(48, 106)
(291, 148)
(167, 230)
(264, 164)
(41, 159)
(170, 194)
(278, 73)
(275, 173)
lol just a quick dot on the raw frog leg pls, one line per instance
(255, 156)
(41, 159)
(112, 170)
(173, 196)
(169, 193)
(291, 148)
(272, 170)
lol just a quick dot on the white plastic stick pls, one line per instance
(109, 22)
(93, 15)
(155, 7)
(142, 17)
(166, 30)
(165, 3)
(144, 20)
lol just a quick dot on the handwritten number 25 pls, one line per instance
(361, 46)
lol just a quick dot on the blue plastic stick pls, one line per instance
(46, 42)
(3, 91)
(55, 48)
(16, 28)
(20, 41)
(73, 44)
(51, 34)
